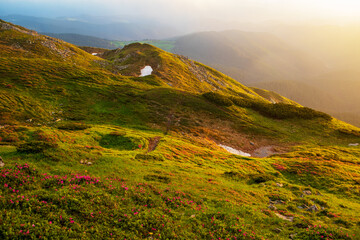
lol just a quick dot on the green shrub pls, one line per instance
(276, 111)
(157, 178)
(121, 142)
(73, 126)
(35, 147)
(343, 223)
(260, 178)
(241, 102)
(218, 99)
(149, 157)
(234, 175)
(287, 111)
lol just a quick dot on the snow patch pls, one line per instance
(235, 151)
(94, 54)
(146, 71)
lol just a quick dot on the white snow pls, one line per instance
(235, 151)
(146, 71)
(94, 54)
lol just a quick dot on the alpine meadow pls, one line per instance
(122, 131)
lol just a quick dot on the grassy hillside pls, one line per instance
(92, 151)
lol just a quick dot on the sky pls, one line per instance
(335, 11)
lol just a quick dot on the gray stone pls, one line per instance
(292, 236)
(307, 192)
(303, 207)
(313, 208)
(2, 164)
(272, 207)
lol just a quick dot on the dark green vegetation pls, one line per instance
(92, 151)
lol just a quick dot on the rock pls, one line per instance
(292, 236)
(290, 219)
(313, 208)
(2, 164)
(252, 143)
(277, 230)
(353, 144)
(192, 216)
(272, 207)
(307, 192)
(303, 207)
(279, 184)
(276, 202)
(89, 163)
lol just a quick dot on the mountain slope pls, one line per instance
(91, 150)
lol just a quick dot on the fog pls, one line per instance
(194, 15)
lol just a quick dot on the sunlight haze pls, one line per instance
(334, 11)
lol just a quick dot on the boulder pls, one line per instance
(2, 164)
(313, 208)
(272, 207)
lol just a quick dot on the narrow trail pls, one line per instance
(153, 142)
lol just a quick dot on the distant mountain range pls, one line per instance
(118, 30)
(83, 40)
